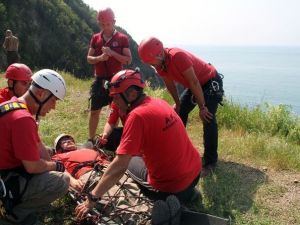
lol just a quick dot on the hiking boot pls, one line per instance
(196, 196)
(31, 219)
(160, 213)
(175, 209)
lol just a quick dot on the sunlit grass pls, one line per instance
(251, 141)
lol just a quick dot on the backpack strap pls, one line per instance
(10, 106)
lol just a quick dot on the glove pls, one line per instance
(59, 166)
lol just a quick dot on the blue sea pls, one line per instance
(257, 75)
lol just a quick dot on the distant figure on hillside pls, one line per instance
(108, 51)
(11, 45)
(204, 87)
(18, 81)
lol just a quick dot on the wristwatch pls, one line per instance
(93, 198)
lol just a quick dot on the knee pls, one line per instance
(95, 113)
(65, 183)
(62, 184)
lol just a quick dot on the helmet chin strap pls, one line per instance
(13, 88)
(134, 102)
(40, 103)
(162, 59)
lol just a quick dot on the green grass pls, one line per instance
(259, 149)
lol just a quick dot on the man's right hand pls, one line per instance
(103, 57)
(102, 139)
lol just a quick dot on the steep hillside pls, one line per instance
(56, 34)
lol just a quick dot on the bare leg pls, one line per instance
(93, 122)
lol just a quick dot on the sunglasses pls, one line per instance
(107, 85)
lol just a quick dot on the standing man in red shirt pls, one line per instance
(204, 87)
(169, 163)
(108, 51)
(28, 175)
(18, 81)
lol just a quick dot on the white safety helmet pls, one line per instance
(52, 81)
(58, 139)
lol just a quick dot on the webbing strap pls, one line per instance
(5, 108)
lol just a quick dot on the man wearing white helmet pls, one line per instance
(26, 173)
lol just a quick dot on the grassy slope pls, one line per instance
(256, 181)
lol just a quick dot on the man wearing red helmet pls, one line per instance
(150, 149)
(204, 87)
(108, 51)
(18, 81)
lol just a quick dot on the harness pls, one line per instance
(11, 106)
(90, 163)
(13, 184)
(214, 88)
(11, 180)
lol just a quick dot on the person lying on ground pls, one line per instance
(80, 164)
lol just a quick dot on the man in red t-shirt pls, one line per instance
(108, 51)
(24, 164)
(169, 162)
(204, 87)
(18, 81)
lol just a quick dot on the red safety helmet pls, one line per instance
(106, 15)
(150, 48)
(124, 79)
(18, 71)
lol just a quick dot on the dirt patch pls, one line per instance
(280, 196)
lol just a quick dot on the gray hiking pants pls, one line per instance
(41, 191)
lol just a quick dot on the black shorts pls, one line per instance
(99, 95)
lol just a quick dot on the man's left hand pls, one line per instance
(205, 115)
(107, 51)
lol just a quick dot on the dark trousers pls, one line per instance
(114, 139)
(12, 57)
(210, 130)
(139, 173)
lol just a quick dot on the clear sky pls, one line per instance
(208, 22)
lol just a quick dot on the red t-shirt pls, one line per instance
(73, 158)
(154, 130)
(18, 137)
(115, 114)
(117, 43)
(179, 60)
(5, 95)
